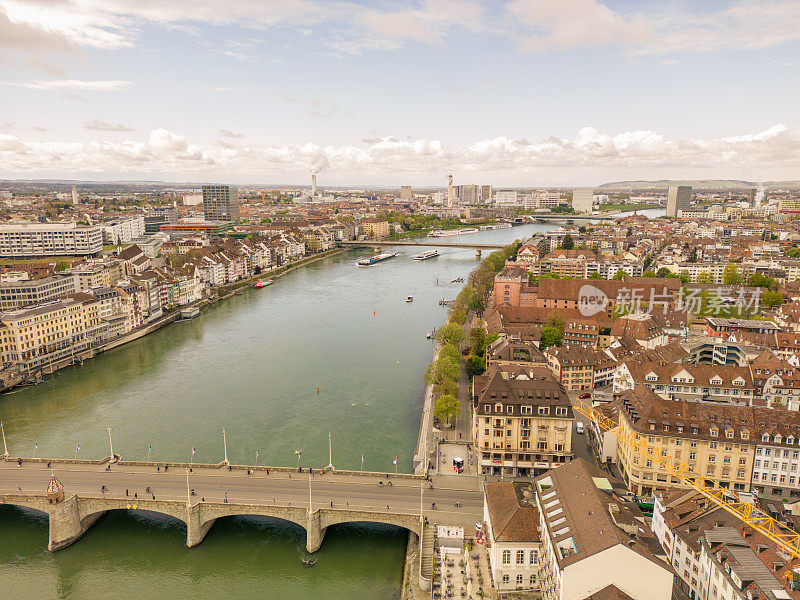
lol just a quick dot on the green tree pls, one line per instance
(762, 281)
(684, 276)
(663, 272)
(582, 229)
(62, 265)
(705, 277)
(619, 275)
(595, 276)
(450, 351)
(793, 252)
(477, 337)
(730, 276)
(771, 299)
(551, 336)
(445, 386)
(447, 407)
(648, 274)
(567, 243)
(556, 320)
(475, 365)
(477, 301)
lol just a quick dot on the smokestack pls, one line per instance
(313, 184)
(450, 191)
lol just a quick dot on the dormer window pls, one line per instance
(778, 438)
(729, 433)
(765, 437)
(714, 432)
(498, 408)
(487, 408)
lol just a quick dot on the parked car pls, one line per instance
(584, 396)
(579, 427)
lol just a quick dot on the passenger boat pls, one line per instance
(262, 283)
(426, 255)
(449, 232)
(368, 262)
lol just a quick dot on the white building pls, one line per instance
(509, 511)
(49, 239)
(505, 197)
(595, 539)
(583, 199)
(122, 230)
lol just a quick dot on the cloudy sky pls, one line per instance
(520, 92)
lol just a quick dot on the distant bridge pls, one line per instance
(312, 501)
(427, 242)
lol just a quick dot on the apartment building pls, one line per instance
(220, 203)
(607, 268)
(49, 239)
(692, 382)
(513, 544)
(595, 542)
(33, 337)
(375, 228)
(37, 291)
(96, 274)
(716, 441)
(680, 521)
(122, 231)
(573, 366)
(522, 421)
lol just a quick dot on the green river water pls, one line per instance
(251, 365)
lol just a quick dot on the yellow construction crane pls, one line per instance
(785, 537)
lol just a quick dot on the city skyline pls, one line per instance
(514, 93)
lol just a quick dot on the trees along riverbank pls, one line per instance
(443, 373)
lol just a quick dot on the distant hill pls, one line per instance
(708, 184)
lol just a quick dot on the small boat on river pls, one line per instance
(410, 299)
(262, 283)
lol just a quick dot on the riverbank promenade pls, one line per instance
(314, 501)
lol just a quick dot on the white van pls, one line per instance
(579, 427)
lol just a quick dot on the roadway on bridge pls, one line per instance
(279, 488)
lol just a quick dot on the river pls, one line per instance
(250, 365)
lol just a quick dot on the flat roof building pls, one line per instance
(26, 293)
(679, 197)
(49, 239)
(220, 203)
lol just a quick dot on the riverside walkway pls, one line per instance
(314, 501)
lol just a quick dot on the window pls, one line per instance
(506, 557)
(520, 557)
(544, 410)
(505, 579)
(519, 579)
(534, 558)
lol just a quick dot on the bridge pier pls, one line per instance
(314, 532)
(196, 528)
(66, 525)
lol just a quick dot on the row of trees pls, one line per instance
(443, 373)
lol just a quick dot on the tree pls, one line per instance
(693, 255)
(568, 243)
(477, 301)
(446, 408)
(551, 336)
(475, 365)
(477, 337)
(663, 272)
(582, 229)
(771, 299)
(762, 281)
(684, 276)
(793, 252)
(730, 276)
(649, 274)
(595, 276)
(705, 277)
(619, 275)
(450, 351)
(556, 320)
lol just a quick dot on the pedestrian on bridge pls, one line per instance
(126, 491)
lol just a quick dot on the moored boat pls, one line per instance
(262, 283)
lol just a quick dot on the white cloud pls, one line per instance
(73, 84)
(230, 134)
(774, 150)
(98, 125)
(350, 27)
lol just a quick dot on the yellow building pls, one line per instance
(716, 440)
(522, 421)
(34, 337)
(375, 228)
